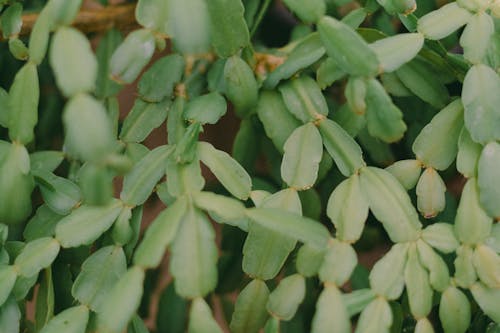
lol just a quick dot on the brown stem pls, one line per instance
(91, 21)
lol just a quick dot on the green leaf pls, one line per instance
(73, 62)
(465, 273)
(383, 118)
(390, 204)
(441, 236)
(10, 316)
(189, 26)
(403, 7)
(475, 38)
(46, 160)
(338, 264)
(206, 109)
(184, 178)
(417, 285)
(278, 122)
(394, 51)
(63, 12)
(172, 311)
(12, 20)
(468, 154)
(424, 82)
(60, 194)
(137, 325)
(347, 48)
(87, 223)
(96, 183)
(140, 181)
(240, 85)
(8, 277)
(430, 192)
(391, 285)
(487, 264)
(167, 70)
(99, 273)
(376, 317)
(222, 209)
(344, 150)
(228, 26)
(309, 260)
(121, 302)
(472, 224)
(443, 21)
(444, 128)
(407, 172)
(488, 180)
(39, 37)
(303, 151)
(487, 298)
(454, 311)
(286, 298)
(143, 119)
(250, 310)
(481, 100)
(355, 93)
(328, 72)
(153, 14)
(23, 104)
(348, 209)
(303, 98)
(292, 225)
(307, 51)
(160, 234)
(194, 256)
(132, 55)
(330, 301)
(307, 11)
(88, 128)
(357, 300)
(72, 320)
(105, 87)
(231, 175)
(439, 276)
(44, 308)
(201, 319)
(37, 255)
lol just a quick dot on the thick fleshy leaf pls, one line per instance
(278, 122)
(184, 178)
(390, 286)
(88, 128)
(309, 260)
(132, 55)
(45, 299)
(390, 204)
(454, 311)
(348, 209)
(23, 104)
(201, 319)
(12, 20)
(303, 98)
(240, 85)
(481, 100)
(100, 272)
(303, 151)
(308, 11)
(476, 36)
(417, 285)
(407, 172)
(383, 118)
(160, 234)
(194, 256)
(357, 300)
(73, 62)
(430, 193)
(349, 50)
(487, 264)
(140, 181)
(63, 12)
(10, 316)
(376, 317)
(286, 298)
(355, 93)
(86, 223)
(424, 82)
(443, 21)
(121, 302)
(439, 277)
(344, 150)
(228, 26)
(231, 175)
(465, 273)
(105, 87)
(142, 119)
(472, 224)
(394, 51)
(488, 180)
(37, 255)
(222, 208)
(487, 298)
(338, 264)
(440, 236)
(46, 160)
(250, 310)
(153, 14)
(468, 154)
(330, 301)
(206, 109)
(295, 226)
(8, 277)
(59, 193)
(444, 128)
(72, 320)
